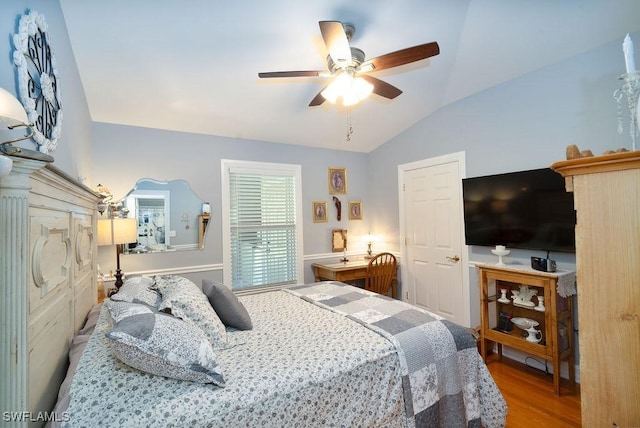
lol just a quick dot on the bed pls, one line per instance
(47, 283)
(321, 354)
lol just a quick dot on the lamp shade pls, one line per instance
(105, 232)
(117, 231)
(5, 165)
(125, 230)
(11, 111)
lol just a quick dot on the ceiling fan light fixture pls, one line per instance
(362, 88)
(337, 88)
(351, 90)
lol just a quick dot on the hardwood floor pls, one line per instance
(529, 395)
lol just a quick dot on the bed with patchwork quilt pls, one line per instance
(169, 353)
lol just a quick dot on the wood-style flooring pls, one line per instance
(530, 397)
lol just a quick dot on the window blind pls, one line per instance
(263, 231)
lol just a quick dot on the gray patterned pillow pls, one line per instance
(138, 289)
(160, 344)
(122, 310)
(183, 299)
(226, 304)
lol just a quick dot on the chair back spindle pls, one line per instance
(380, 273)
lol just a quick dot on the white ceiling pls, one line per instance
(192, 65)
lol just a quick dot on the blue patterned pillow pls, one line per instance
(160, 344)
(138, 289)
(183, 299)
(121, 310)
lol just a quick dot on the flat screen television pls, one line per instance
(524, 209)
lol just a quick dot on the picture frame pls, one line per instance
(337, 181)
(319, 211)
(338, 240)
(355, 210)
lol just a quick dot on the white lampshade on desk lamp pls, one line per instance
(117, 231)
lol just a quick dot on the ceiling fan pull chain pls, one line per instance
(349, 127)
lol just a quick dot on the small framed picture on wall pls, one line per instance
(319, 211)
(337, 181)
(355, 210)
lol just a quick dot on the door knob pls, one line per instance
(453, 259)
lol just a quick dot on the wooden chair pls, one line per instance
(380, 273)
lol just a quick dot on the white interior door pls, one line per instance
(434, 255)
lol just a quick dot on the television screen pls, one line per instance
(525, 209)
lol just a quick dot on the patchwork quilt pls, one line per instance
(326, 354)
(445, 381)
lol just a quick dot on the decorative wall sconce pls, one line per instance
(12, 117)
(6, 165)
(203, 222)
(106, 195)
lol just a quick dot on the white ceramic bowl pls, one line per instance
(524, 323)
(501, 252)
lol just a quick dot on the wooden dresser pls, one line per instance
(606, 193)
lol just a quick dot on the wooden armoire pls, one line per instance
(606, 193)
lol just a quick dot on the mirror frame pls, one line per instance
(191, 216)
(338, 240)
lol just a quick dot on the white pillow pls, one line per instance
(183, 299)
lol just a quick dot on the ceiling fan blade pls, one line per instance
(317, 100)
(310, 73)
(401, 57)
(336, 41)
(382, 88)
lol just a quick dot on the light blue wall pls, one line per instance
(73, 154)
(523, 124)
(124, 154)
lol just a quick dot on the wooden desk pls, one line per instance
(348, 271)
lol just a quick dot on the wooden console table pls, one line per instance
(348, 271)
(554, 321)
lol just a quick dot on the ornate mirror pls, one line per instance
(170, 216)
(338, 240)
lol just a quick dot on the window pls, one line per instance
(262, 224)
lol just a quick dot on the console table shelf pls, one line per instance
(555, 322)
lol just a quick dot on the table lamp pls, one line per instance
(117, 231)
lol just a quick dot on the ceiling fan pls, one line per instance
(347, 64)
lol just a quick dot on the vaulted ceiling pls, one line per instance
(192, 65)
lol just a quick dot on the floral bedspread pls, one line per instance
(300, 366)
(445, 381)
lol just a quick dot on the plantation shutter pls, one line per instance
(263, 228)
